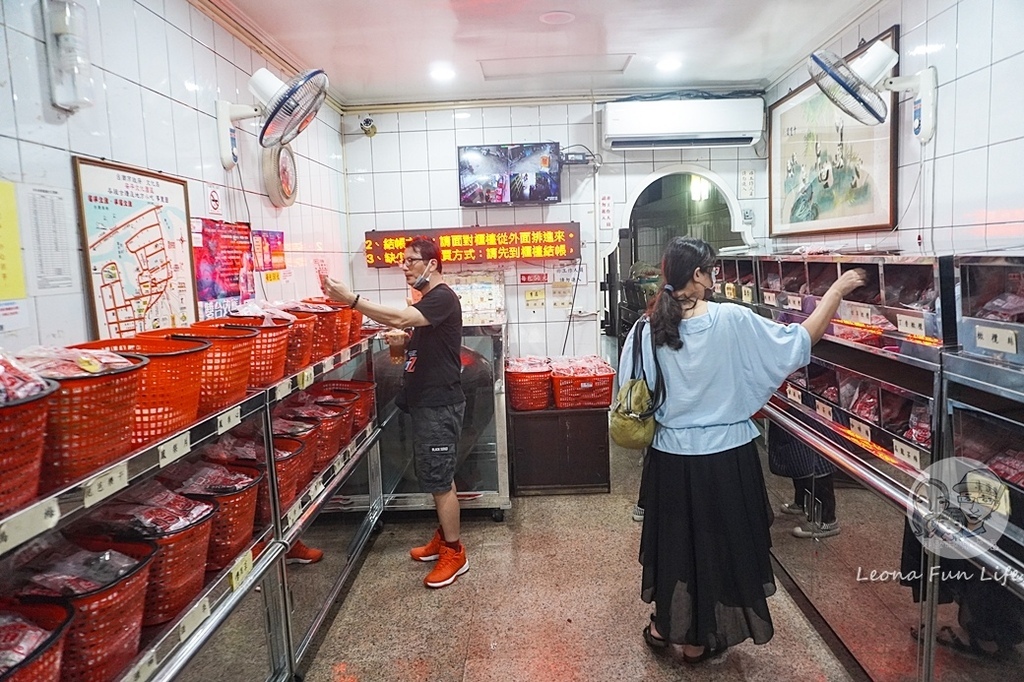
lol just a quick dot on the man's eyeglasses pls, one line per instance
(406, 261)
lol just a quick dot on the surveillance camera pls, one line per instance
(366, 123)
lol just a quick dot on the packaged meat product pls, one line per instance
(588, 365)
(148, 508)
(287, 427)
(17, 381)
(772, 281)
(797, 378)
(202, 478)
(895, 411)
(52, 566)
(18, 639)
(920, 430)
(865, 405)
(856, 335)
(64, 363)
(1004, 307)
(529, 363)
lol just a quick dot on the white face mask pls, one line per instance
(423, 280)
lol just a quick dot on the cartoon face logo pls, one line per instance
(958, 508)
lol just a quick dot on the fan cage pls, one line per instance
(846, 88)
(294, 108)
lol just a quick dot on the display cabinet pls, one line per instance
(991, 314)
(559, 451)
(736, 279)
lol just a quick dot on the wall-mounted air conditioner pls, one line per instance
(672, 124)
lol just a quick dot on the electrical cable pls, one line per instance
(248, 219)
(572, 306)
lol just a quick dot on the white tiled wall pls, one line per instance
(158, 67)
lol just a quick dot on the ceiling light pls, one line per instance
(442, 72)
(669, 64)
(557, 18)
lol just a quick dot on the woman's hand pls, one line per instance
(336, 291)
(849, 281)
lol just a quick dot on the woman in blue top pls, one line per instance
(705, 541)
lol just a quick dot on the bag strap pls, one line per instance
(658, 399)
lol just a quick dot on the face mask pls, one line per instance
(709, 292)
(423, 280)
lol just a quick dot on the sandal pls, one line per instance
(652, 640)
(948, 638)
(705, 655)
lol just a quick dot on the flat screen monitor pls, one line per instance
(510, 174)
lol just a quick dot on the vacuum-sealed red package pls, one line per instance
(18, 639)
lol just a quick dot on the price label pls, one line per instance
(861, 429)
(293, 515)
(793, 302)
(718, 288)
(824, 409)
(907, 454)
(229, 420)
(317, 487)
(106, 484)
(794, 394)
(283, 389)
(345, 355)
(730, 290)
(241, 570)
(193, 619)
(272, 276)
(328, 363)
(910, 325)
(29, 523)
(748, 294)
(770, 298)
(994, 338)
(175, 449)
(305, 378)
(856, 312)
(144, 670)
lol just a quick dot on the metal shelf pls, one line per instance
(305, 377)
(1006, 381)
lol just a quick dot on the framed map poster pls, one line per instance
(137, 249)
(827, 172)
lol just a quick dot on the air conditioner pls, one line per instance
(672, 124)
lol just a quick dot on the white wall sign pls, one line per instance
(214, 201)
(49, 238)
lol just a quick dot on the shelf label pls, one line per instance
(794, 394)
(856, 312)
(328, 363)
(793, 302)
(175, 449)
(144, 670)
(718, 288)
(293, 515)
(229, 420)
(824, 409)
(305, 378)
(730, 290)
(241, 570)
(994, 338)
(748, 294)
(317, 488)
(105, 485)
(283, 389)
(910, 325)
(861, 429)
(193, 619)
(906, 453)
(770, 298)
(345, 355)
(29, 523)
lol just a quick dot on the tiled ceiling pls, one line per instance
(383, 51)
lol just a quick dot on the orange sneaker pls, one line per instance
(429, 551)
(300, 554)
(450, 565)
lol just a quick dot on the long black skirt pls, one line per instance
(705, 547)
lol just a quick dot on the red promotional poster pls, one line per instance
(268, 250)
(223, 258)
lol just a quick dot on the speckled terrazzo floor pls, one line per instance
(552, 594)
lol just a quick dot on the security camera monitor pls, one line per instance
(483, 175)
(535, 173)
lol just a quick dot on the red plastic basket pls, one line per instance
(300, 342)
(89, 423)
(339, 427)
(43, 664)
(169, 389)
(225, 371)
(325, 333)
(104, 634)
(528, 390)
(22, 436)
(593, 390)
(366, 390)
(286, 466)
(312, 441)
(269, 350)
(355, 327)
(233, 522)
(344, 321)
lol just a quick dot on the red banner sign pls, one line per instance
(533, 278)
(480, 244)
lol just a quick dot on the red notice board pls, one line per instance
(495, 244)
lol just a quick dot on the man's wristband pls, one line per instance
(356, 300)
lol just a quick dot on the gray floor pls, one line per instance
(553, 594)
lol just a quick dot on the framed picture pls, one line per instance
(137, 248)
(826, 171)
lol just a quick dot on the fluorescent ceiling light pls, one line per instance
(556, 18)
(669, 64)
(442, 72)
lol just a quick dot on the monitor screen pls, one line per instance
(510, 174)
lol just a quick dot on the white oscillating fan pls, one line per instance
(288, 108)
(854, 87)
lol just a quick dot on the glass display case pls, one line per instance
(991, 314)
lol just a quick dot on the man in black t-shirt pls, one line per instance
(431, 393)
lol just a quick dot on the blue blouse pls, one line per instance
(731, 361)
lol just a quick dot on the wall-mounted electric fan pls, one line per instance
(854, 87)
(288, 108)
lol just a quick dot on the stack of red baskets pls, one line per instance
(300, 342)
(366, 390)
(43, 664)
(22, 435)
(234, 519)
(311, 440)
(269, 350)
(343, 320)
(325, 333)
(287, 462)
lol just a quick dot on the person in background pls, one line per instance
(431, 394)
(812, 482)
(705, 540)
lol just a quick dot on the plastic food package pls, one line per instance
(52, 566)
(528, 364)
(147, 509)
(304, 307)
(865, 406)
(202, 478)
(287, 427)
(920, 430)
(772, 281)
(895, 412)
(1004, 307)
(17, 381)
(64, 363)
(18, 639)
(588, 365)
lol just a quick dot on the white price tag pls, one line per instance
(229, 420)
(855, 312)
(317, 487)
(144, 670)
(29, 523)
(794, 394)
(175, 449)
(910, 325)
(748, 294)
(906, 453)
(106, 484)
(861, 429)
(345, 355)
(730, 290)
(293, 515)
(718, 288)
(241, 570)
(328, 363)
(793, 302)
(283, 389)
(994, 338)
(193, 619)
(824, 409)
(770, 298)
(305, 378)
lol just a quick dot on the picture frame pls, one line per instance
(826, 171)
(137, 248)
